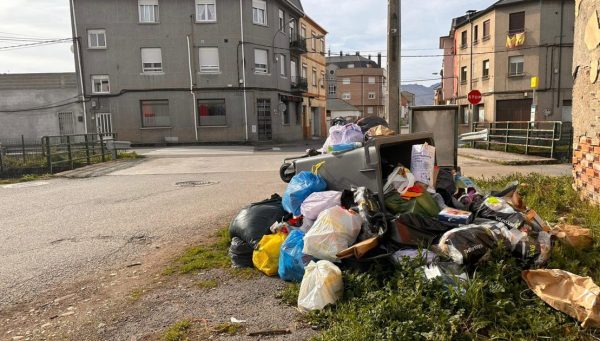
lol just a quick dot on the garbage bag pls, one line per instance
(424, 204)
(575, 236)
(450, 274)
(469, 244)
(240, 253)
(254, 221)
(380, 130)
(416, 230)
(399, 180)
(336, 229)
(454, 216)
(369, 210)
(498, 209)
(291, 258)
(422, 163)
(318, 202)
(300, 187)
(322, 284)
(338, 134)
(266, 257)
(574, 295)
(427, 256)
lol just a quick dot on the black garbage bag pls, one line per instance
(369, 122)
(445, 185)
(469, 244)
(498, 209)
(254, 221)
(416, 230)
(240, 253)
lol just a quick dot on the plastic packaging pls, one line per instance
(343, 147)
(469, 244)
(291, 259)
(399, 180)
(424, 205)
(422, 163)
(454, 216)
(253, 222)
(318, 202)
(300, 187)
(335, 230)
(240, 253)
(266, 257)
(498, 209)
(322, 285)
(348, 133)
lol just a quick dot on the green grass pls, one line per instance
(289, 294)
(178, 331)
(136, 294)
(228, 328)
(400, 304)
(245, 273)
(207, 284)
(204, 257)
(129, 155)
(25, 178)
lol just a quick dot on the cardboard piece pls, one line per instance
(360, 249)
(574, 295)
(575, 236)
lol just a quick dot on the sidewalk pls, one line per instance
(503, 158)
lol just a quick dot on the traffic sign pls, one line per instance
(474, 97)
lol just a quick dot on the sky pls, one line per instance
(353, 25)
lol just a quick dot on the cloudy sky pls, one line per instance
(353, 25)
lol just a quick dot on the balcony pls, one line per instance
(298, 46)
(299, 84)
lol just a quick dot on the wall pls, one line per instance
(586, 101)
(359, 88)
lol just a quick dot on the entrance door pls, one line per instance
(513, 110)
(104, 124)
(316, 122)
(65, 123)
(263, 111)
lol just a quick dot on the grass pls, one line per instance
(207, 284)
(228, 328)
(178, 331)
(289, 295)
(204, 257)
(398, 303)
(136, 294)
(25, 178)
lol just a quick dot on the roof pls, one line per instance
(358, 61)
(296, 4)
(313, 23)
(336, 104)
(460, 21)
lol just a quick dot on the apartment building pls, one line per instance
(357, 80)
(313, 67)
(158, 71)
(498, 50)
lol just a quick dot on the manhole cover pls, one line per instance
(201, 183)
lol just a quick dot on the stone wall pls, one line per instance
(586, 99)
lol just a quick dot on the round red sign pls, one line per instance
(474, 97)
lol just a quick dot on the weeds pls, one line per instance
(245, 273)
(178, 331)
(228, 328)
(136, 294)
(202, 257)
(25, 178)
(289, 295)
(207, 284)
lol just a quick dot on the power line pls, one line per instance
(47, 106)
(46, 42)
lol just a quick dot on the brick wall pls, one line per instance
(586, 167)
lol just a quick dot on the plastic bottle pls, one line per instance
(343, 147)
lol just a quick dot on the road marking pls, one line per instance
(25, 184)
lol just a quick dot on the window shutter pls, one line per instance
(148, 2)
(260, 4)
(152, 55)
(260, 57)
(209, 59)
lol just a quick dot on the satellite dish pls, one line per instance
(282, 107)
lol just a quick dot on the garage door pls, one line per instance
(513, 110)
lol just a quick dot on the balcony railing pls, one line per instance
(299, 84)
(298, 45)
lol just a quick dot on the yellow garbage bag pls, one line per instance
(266, 257)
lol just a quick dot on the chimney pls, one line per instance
(369, 57)
(379, 59)
(341, 53)
(329, 53)
(357, 53)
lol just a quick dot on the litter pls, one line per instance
(253, 222)
(240, 253)
(266, 257)
(322, 285)
(425, 255)
(336, 229)
(291, 258)
(302, 185)
(575, 236)
(422, 163)
(234, 320)
(319, 202)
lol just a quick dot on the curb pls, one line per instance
(513, 162)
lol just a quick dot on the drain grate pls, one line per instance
(201, 183)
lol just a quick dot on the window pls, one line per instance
(463, 39)
(155, 113)
(371, 80)
(372, 95)
(298, 116)
(463, 74)
(516, 65)
(148, 11)
(303, 32)
(323, 45)
(486, 68)
(100, 84)
(314, 77)
(486, 29)
(281, 21)
(304, 71)
(261, 61)
(211, 112)
(332, 89)
(151, 60)
(346, 81)
(282, 65)
(97, 39)
(350, 66)
(314, 41)
(292, 29)
(206, 11)
(476, 33)
(293, 71)
(322, 82)
(209, 59)
(285, 115)
(370, 110)
(516, 22)
(346, 96)
(259, 12)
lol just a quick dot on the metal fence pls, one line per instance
(52, 154)
(543, 138)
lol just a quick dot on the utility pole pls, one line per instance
(393, 62)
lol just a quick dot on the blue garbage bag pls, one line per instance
(300, 187)
(291, 258)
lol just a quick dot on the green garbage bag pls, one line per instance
(424, 205)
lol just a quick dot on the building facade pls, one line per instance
(498, 50)
(313, 67)
(358, 81)
(158, 71)
(39, 104)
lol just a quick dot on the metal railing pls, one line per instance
(72, 151)
(299, 84)
(549, 138)
(20, 156)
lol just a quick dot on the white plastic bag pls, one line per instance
(319, 202)
(400, 180)
(336, 229)
(322, 284)
(422, 163)
(348, 133)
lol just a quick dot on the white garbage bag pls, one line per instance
(322, 284)
(422, 163)
(318, 202)
(336, 229)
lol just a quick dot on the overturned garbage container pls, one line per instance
(367, 166)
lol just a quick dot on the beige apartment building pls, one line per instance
(498, 50)
(313, 66)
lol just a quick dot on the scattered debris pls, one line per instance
(274, 332)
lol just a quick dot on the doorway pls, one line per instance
(264, 120)
(316, 122)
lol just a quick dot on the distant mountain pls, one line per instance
(424, 95)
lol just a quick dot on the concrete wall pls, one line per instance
(29, 91)
(586, 101)
(121, 60)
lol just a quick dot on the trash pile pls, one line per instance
(316, 229)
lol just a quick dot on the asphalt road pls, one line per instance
(60, 230)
